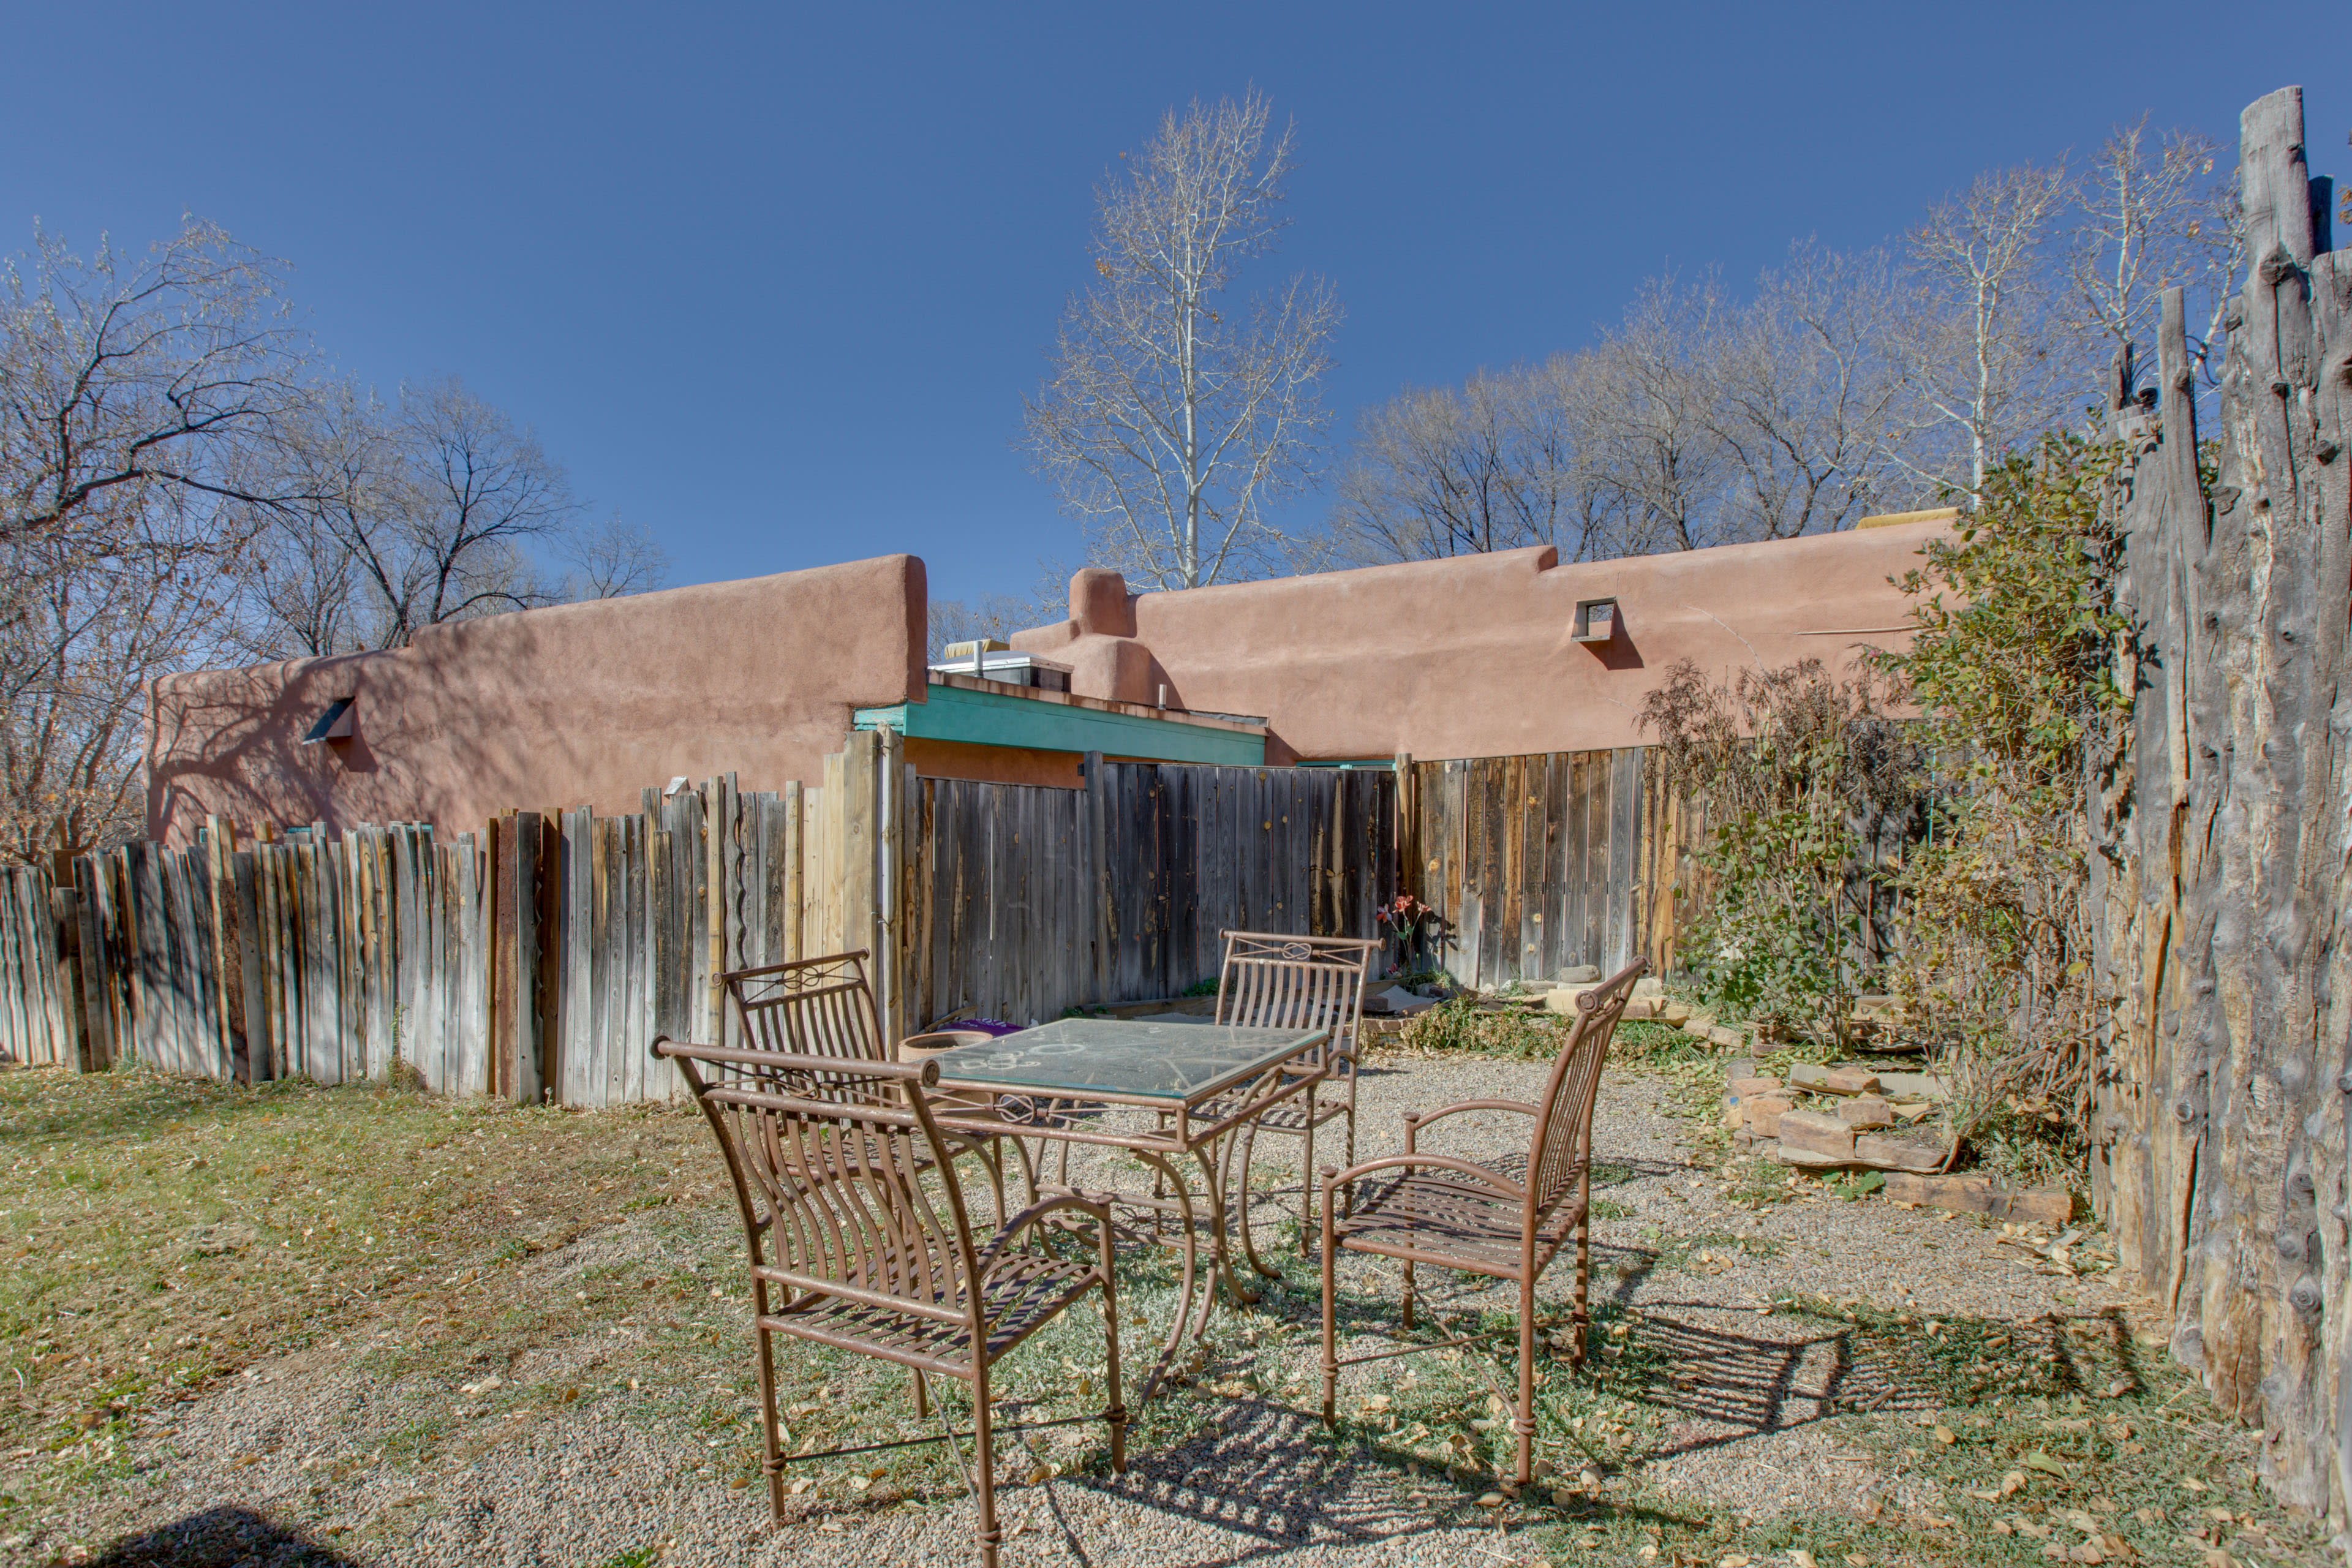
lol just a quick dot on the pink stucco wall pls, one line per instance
(580, 704)
(1476, 656)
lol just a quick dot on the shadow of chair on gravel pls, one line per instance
(1751, 1383)
(220, 1537)
(1270, 1473)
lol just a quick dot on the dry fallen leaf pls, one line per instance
(1945, 1436)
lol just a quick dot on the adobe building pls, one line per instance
(589, 703)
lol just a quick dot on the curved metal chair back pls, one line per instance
(810, 1006)
(1276, 982)
(1270, 981)
(1559, 1158)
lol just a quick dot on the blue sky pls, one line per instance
(774, 281)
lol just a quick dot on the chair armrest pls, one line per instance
(1502, 1185)
(994, 1253)
(1423, 1117)
(1414, 1121)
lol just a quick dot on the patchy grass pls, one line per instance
(2063, 1431)
(513, 1268)
(160, 1233)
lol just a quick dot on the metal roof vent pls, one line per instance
(339, 722)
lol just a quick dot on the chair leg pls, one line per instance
(1523, 1420)
(992, 1154)
(1307, 1178)
(772, 1459)
(1330, 1321)
(1408, 1296)
(922, 1395)
(983, 1460)
(1116, 1415)
(1348, 1191)
(1577, 1317)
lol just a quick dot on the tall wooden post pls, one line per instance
(2220, 1124)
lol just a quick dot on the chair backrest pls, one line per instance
(855, 1194)
(810, 1006)
(1560, 1154)
(1269, 981)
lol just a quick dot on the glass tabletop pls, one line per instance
(1123, 1057)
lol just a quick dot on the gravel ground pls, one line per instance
(301, 1459)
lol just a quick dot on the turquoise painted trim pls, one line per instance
(992, 719)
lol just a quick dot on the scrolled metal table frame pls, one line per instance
(1200, 1125)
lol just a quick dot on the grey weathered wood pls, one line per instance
(96, 990)
(2222, 1161)
(253, 1002)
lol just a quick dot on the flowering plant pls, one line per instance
(1403, 915)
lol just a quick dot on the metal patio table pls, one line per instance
(1066, 1081)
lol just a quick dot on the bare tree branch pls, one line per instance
(1172, 420)
(1983, 368)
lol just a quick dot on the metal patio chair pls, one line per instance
(1274, 982)
(859, 1239)
(810, 1006)
(1478, 1219)
(824, 1007)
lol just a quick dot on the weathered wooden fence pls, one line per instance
(2223, 1090)
(1028, 900)
(1534, 863)
(537, 959)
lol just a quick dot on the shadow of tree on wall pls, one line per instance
(220, 1537)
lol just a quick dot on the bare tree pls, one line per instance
(144, 405)
(996, 615)
(1646, 406)
(610, 559)
(1495, 465)
(1983, 367)
(1172, 418)
(141, 392)
(2155, 214)
(420, 513)
(1803, 387)
(477, 489)
(85, 635)
(302, 594)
